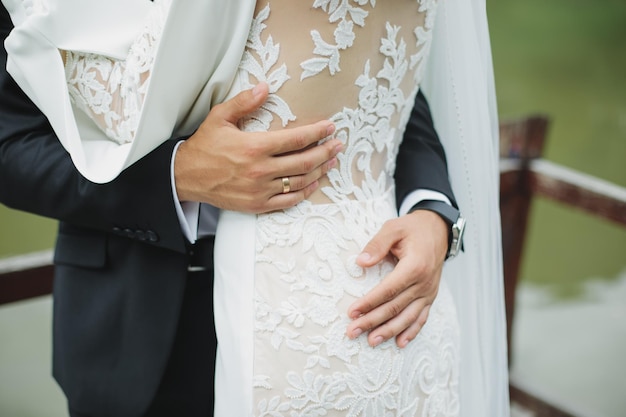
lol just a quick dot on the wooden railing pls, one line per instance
(25, 277)
(523, 176)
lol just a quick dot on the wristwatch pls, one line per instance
(453, 219)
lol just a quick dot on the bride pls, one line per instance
(360, 67)
(284, 280)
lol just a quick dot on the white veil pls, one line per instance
(460, 87)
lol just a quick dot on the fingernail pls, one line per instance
(257, 90)
(377, 340)
(364, 257)
(330, 129)
(357, 332)
(356, 314)
(338, 149)
(332, 163)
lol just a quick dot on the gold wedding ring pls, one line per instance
(286, 185)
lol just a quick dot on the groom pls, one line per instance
(133, 334)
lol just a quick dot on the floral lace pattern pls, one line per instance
(260, 69)
(110, 91)
(347, 14)
(305, 274)
(32, 7)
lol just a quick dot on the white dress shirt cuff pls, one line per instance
(188, 211)
(419, 195)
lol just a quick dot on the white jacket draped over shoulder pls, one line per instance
(197, 58)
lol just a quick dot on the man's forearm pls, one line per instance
(421, 161)
(37, 175)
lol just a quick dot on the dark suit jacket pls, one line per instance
(121, 258)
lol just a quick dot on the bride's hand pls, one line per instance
(399, 305)
(252, 172)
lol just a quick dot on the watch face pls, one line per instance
(457, 236)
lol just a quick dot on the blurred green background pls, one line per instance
(567, 59)
(562, 58)
(22, 232)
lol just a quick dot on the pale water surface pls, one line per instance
(573, 350)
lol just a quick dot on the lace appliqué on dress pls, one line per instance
(347, 14)
(32, 7)
(260, 68)
(110, 91)
(306, 275)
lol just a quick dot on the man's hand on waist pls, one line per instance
(252, 172)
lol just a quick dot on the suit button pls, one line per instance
(152, 236)
(129, 233)
(117, 230)
(141, 235)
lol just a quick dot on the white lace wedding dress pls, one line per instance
(284, 280)
(359, 64)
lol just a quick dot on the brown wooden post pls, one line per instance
(520, 141)
(26, 276)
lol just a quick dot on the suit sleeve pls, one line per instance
(421, 161)
(38, 176)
